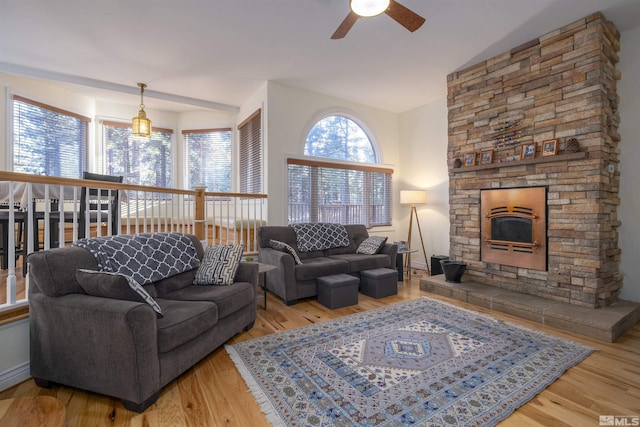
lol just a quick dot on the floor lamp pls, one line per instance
(413, 198)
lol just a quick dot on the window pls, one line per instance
(208, 158)
(338, 137)
(48, 140)
(141, 161)
(339, 191)
(250, 135)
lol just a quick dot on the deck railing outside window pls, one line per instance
(46, 214)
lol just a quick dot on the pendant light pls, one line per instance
(141, 124)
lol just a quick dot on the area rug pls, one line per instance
(421, 362)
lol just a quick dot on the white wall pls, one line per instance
(629, 209)
(423, 165)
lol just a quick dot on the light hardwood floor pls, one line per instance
(212, 393)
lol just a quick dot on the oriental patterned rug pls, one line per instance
(421, 362)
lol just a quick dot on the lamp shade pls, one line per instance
(413, 197)
(141, 125)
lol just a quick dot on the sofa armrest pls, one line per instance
(391, 250)
(96, 344)
(282, 280)
(247, 272)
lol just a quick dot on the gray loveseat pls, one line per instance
(292, 281)
(120, 348)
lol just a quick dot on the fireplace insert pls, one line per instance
(514, 227)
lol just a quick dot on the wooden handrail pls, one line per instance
(199, 195)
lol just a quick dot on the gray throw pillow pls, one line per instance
(219, 265)
(371, 245)
(115, 286)
(284, 247)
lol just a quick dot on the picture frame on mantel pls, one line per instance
(550, 147)
(486, 157)
(528, 151)
(470, 159)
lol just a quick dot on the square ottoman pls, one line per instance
(338, 290)
(379, 282)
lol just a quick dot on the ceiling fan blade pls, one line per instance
(405, 17)
(346, 25)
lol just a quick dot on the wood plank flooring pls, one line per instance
(213, 393)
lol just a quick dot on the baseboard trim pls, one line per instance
(14, 376)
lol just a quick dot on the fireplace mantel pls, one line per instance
(580, 155)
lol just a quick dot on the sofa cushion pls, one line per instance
(319, 236)
(183, 321)
(54, 271)
(115, 286)
(318, 267)
(359, 262)
(371, 245)
(228, 299)
(219, 265)
(284, 247)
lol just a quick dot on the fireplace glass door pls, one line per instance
(514, 227)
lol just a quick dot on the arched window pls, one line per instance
(351, 190)
(339, 137)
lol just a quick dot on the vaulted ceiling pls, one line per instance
(215, 53)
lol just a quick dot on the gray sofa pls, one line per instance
(292, 281)
(120, 348)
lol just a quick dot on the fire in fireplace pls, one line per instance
(514, 227)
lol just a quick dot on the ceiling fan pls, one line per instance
(368, 8)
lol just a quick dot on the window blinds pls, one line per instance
(208, 159)
(48, 140)
(323, 191)
(250, 135)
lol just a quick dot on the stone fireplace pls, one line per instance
(559, 91)
(513, 227)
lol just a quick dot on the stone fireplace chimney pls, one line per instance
(554, 91)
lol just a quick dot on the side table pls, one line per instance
(400, 263)
(262, 271)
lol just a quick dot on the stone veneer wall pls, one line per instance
(561, 85)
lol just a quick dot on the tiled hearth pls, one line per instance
(605, 324)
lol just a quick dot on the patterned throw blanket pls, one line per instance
(146, 257)
(320, 236)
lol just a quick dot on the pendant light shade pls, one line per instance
(141, 124)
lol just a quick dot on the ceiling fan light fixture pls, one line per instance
(140, 124)
(368, 8)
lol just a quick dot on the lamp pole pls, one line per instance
(414, 211)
